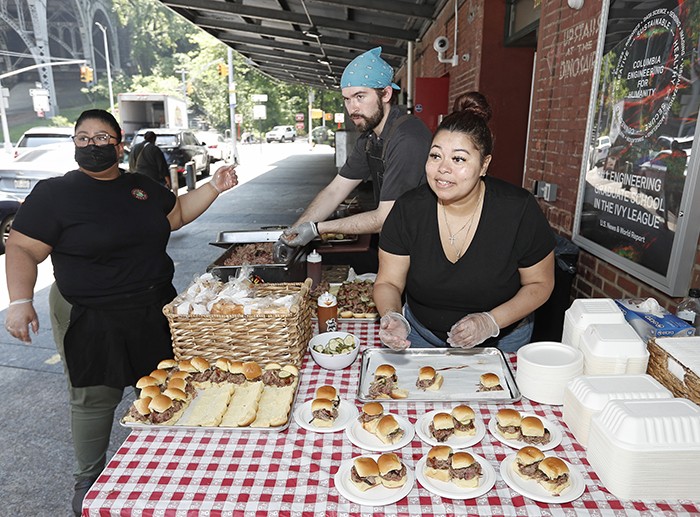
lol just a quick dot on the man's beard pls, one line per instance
(369, 123)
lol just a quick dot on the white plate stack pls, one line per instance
(584, 312)
(647, 449)
(613, 348)
(587, 395)
(544, 369)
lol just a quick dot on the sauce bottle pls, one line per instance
(314, 268)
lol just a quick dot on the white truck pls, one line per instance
(150, 110)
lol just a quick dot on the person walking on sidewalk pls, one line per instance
(391, 152)
(147, 158)
(106, 233)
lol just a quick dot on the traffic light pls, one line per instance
(89, 74)
(223, 69)
(86, 74)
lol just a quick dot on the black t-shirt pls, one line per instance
(108, 237)
(512, 233)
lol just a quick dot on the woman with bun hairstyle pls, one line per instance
(473, 255)
(106, 233)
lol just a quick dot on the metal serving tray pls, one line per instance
(246, 429)
(225, 239)
(295, 271)
(461, 370)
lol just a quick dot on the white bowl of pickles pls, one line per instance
(334, 350)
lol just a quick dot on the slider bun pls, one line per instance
(186, 366)
(531, 426)
(222, 364)
(463, 413)
(175, 394)
(345, 314)
(179, 375)
(146, 380)
(553, 467)
(443, 421)
(462, 459)
(149, 391)
(178, 383)
(437, 384)
(366, 467)
(251, 370)
(386, 425)
(426, 372)
(489, 380)
(506, 417)
(384, 370)
(373, 408)
(388, 462)
(235, 366)
(326, 392)
(440, 452)
(399, 394)
(141, 405)
(200, 364)
(160, 403)
(159, 375)
(529, 455)
(166, 364)
(318, 404)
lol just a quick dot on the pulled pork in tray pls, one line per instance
(253, 253)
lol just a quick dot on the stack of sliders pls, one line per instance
(429, 379)
(550, 472)
(460, 422)
(447, 466)
(386, 384)
(512, 426)
(324, 408)
(387, 471)
(383, 426)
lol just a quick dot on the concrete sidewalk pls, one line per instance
(36, 457)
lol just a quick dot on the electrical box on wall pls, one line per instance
(431, 98)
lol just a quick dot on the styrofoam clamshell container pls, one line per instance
(587, 311)
(613, 348)
(647, 449)
(585, 396)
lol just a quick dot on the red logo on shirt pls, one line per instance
(139, 194)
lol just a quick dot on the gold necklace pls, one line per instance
(467, 225)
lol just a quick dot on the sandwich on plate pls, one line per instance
(555, 476)
(429, 379)
(330, 393)
(438, 463)
(370, 415)
(442, 427)
(391, 471)
(324, 413)
(364, 473)
(465, 471)
(388, 430)
(533, 431)
(463, 419)
(508, 423)
(526, 462)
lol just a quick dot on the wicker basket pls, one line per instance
(688, 387)
(265, 338)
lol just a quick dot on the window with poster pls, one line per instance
(638, 197)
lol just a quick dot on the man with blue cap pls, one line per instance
(391, 151)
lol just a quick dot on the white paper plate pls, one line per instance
(554, 434)
(370, 442)
(452, 491)
(347, 412)
(533, 490)
(377, 496)
(456, 442)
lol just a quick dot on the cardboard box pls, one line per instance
(649, 319)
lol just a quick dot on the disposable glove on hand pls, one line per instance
(300, 235)
(472, 330)
(393, 331)
(281, 253)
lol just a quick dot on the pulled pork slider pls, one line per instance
(526, 462)
(364, 473)
(160, 376)
(464, 470)
(555, 475)
(533, 431)
(489, 382)
(149, 391)
(252, 371)
(438, 464)
(236, 375)
(276, 375)
(180, 374)
(186, 366)
(329, 393)
(146, 380)
(370, 415)
(183, 385)
(164, 410)
(385, 384)
(138, 412)
(391, 471)
(442, 426)
(508, 423)
(167, 364)
(429, 379)
(324, 413)
(463, 418)
(388, 429)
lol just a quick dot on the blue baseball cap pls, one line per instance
(369, 70)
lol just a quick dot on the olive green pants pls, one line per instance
(91, 408)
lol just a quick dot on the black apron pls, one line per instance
(375, 149)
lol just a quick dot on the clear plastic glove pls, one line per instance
(393, 331)
(224, 178)
(472, 330)
(281, 253)
(300, 235)
(20, 319)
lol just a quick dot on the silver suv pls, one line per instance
(281, 134)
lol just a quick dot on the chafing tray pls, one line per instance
(225, 239)
(461, 370)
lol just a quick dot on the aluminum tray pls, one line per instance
(225, 239)
(247, 429)
(461, 370)
(295, 271)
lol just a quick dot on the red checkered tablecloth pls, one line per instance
(253, 473)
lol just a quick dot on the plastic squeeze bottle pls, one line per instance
(689, 309)
(314, 268)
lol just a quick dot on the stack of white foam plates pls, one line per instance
(584, 312)
(647, 449)
(613, 348)
(544, 369)
(587, 395)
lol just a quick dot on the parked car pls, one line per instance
(281, 134)
(42, 135)
(601, 150)
(323, 135)
(179, 147)
(217, 146)
(19, 176)
(8, 208)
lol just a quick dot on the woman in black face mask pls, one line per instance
(106, 233)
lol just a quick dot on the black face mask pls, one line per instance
(96, 158)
